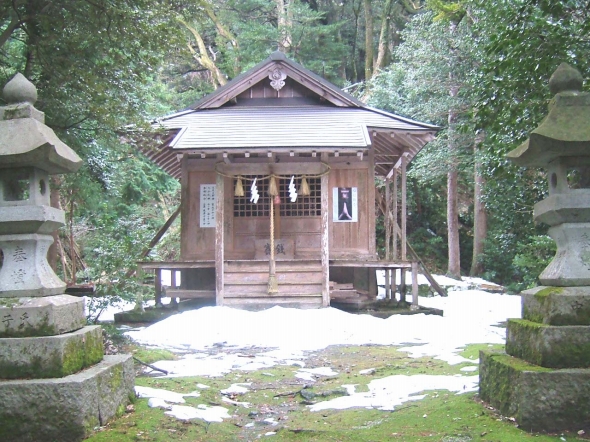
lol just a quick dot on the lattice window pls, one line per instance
(242, 205)
(304, 206)
(310, 205)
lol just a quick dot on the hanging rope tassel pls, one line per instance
(273, 285)
(304, 189)
(273, 190)
(239, 190)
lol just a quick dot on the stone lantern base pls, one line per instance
(66, 409)
(55, 382)
(543, 379)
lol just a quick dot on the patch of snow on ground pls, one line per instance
(156, 393)
(470, 317)
(208, 414)
(212, 338)
(309, 374)
(386, 393)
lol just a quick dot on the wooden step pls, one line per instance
(190, 294)
(262, 277)
(301, 302)
(236, 291)
(263, 266)
(341, 294)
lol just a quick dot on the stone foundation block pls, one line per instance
(47, 316)
(557, 305)
(69, 408)
(50, 356)
(566, 346)
(540, 399)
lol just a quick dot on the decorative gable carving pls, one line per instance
(277, 78)
(278, 68)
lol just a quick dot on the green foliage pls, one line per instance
(532, 257)
(258, 31)
(521, 44)
(434, 59)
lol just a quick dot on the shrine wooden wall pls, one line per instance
(352, 240)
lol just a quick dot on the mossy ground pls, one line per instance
(276, 393)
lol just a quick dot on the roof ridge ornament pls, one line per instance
(277, 78)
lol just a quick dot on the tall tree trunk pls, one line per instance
(357, 12)
(454, 266)
(285, 24)
(224, 31)
(480, 216)
(368, 39)
(383, 36)
(202, 56)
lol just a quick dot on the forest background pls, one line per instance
(477, 68)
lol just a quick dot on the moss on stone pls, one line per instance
(93, 348)
(81, 351)
(116, 378)
(532, 315)
(9, 302)
(542, 295)
(547, 345)
(499, 376)
(42, 328)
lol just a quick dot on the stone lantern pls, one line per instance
(29, 152)
(543, 379)
(561, 145)
(55, 381)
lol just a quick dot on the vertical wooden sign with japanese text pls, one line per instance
(207, 205)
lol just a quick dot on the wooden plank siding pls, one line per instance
(352, 239)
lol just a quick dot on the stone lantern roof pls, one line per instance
(565, 132)
(25, 140)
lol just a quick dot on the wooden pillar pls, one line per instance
(325, 242)
(404, 207)
(395, 254)
(387, 238)
(414, 284)
(370, 186)
(393, 283)
(219, 226)
(173, 278)
(394, 245)
(402, 284)
(158, 284)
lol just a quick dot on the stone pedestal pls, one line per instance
(55, 382)
(66, 409)
(543, 379)
(539, 398)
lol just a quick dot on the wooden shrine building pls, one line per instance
(241, 154)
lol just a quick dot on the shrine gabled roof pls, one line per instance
(322, 118)
(307, 78)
